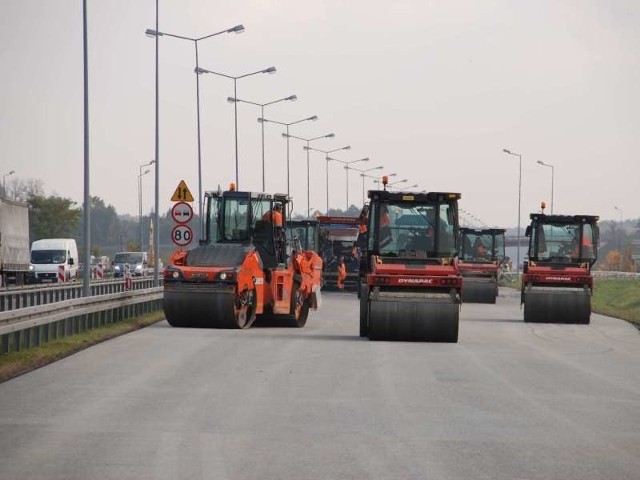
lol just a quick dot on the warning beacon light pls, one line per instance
(232, 187)
(385, 181)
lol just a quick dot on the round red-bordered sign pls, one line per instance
(182, 213)
(182, 235)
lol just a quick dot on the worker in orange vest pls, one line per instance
(274, 215)
(342, 273)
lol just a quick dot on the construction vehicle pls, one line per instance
(241, 269)
(411, 286)
(557, 284)
(303, 235)
(338, 236)
(14, 242)
(479, 261)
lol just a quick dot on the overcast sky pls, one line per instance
(431, 90)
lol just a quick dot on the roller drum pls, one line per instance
(429, 319)
(557, 305)
(202, 306)
(478, 291)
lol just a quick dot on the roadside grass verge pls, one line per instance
(618, 298)
(16, 363)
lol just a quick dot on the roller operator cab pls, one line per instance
(410, 285)
(481, 254)
(557, 284)
(242, 268)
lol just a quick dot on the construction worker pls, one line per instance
(275, 215)
(342, 273)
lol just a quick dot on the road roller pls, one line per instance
(557, 283)
(481, 254)
(410, 288)
(338, 235)
(243, 268)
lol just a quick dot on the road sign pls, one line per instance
(182, 212)
(182, 193)
(182, 235)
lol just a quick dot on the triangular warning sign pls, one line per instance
(182, 193)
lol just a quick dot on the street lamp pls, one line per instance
(363, 174)
(4, 181)
(308, 140)
(391, 184)
(140, 200)
(140, 206)
(552, 168)
(346, 169)
(155, 34)
(262, 105)
(509, 152)
(287, 125)
(235, 79)
(326, 157)
(620, 210)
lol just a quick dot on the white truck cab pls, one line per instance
(53, 260)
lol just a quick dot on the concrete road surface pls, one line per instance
(509, 401)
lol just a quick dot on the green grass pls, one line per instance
(618, 298)
(16, 363)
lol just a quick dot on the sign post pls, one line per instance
(182, 214)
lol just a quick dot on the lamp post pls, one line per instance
(391, 184)
(346, 169)
(155, 34)
(4, 181)
(235, 79)
(287, 125)
(509, 152)
(140, 206)
(309, 140)
(262, 105)
(540, 162)
(326, 157)
(363, 174)
(140, 199)
(620, 236)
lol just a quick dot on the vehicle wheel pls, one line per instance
(364, 310)
(299, 307)
(245, 309)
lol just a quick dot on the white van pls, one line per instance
(53, 260)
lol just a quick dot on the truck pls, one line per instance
(14, 242)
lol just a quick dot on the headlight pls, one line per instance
(116, 268)
(31, 268)
(138, 268)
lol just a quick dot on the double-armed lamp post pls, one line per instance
(156, 34)
(509, 152)
(326, 157)
(287, 125)
(347, 168)
(309, 140)
(262, 105)
(540, 162)
(235, 79)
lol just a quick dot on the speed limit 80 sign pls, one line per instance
(182, 235)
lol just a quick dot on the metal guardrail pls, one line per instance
(31, 326)
(602, 274)
(32, 295)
